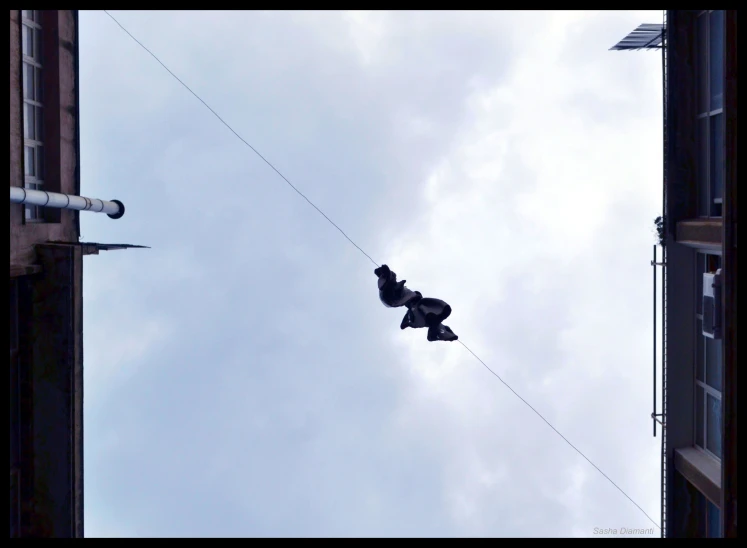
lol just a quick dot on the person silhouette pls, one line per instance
(421, 311)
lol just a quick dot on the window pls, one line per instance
(709, 517)
(710, 123)
(33, 115)
(708, 370)
(693, 515)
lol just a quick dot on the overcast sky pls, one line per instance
(242, 377)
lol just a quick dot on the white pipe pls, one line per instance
(18, 195)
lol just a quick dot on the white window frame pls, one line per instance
(35, 180)
(701, 413)
(706, 115)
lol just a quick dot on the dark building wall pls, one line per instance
(681, 155)
(729, 468)
(46, 379)
(680, 367)
(56, 387)
(689, 233)
(680, 267)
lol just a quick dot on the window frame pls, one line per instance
(35, 181)
(711, 258)
(704, 139)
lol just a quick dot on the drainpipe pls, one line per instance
(113, 208)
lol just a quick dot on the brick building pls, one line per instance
(46, 276)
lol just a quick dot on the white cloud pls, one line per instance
(527, 193)
(503, 161)
(120, 349)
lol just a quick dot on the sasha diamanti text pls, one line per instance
(623, 531)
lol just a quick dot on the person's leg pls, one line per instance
(441, 333)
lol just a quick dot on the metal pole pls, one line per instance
(654, 267)
(113, 208)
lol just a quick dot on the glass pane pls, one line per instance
(702, 182)
(716, 61)
(713, 518)
(689, 506)
(717, 156)
(27, 43)
(38, 85)
(37, 45)
(29, 112)
(29, 161)
(39, 118)
(699, 351)
(714, 364)
(699, 416)
(713, 429)
(701, 49)
(40, 162)
(700, 263)
(33, 212)
(28, 81)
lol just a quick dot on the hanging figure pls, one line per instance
(421, 311)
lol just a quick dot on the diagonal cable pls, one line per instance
(276, 170)
(556, 430)
(366, 254)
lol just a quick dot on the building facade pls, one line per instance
(46, 351)
(699, 451)
(698, 237)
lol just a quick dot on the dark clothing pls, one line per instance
(421, 311)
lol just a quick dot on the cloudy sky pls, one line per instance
(242, 377)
